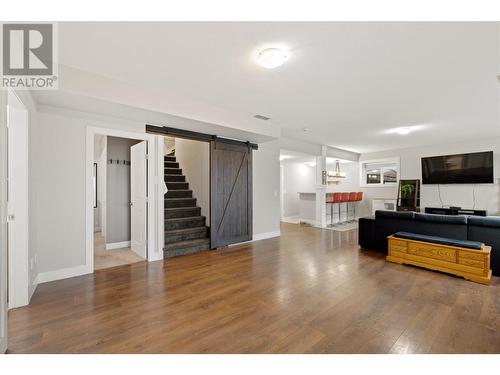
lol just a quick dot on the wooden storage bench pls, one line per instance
(468, 259)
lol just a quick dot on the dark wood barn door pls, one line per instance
(231, 193)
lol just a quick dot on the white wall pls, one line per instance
(351, 180)
(60, 186)
(487, 195)
(118, 190)
(266, 190)
(194, 160)
(297, 177)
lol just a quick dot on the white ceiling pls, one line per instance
(347, 82)
(291, 156)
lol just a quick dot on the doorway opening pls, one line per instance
(187, 196)
(298, 187)
(119, 186)
(228, 167)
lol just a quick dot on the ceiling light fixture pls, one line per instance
(337, 173)
(305, 130)
(403, 131)
(271, 58)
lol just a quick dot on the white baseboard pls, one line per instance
(258, 237)
(117, 245)
(65, 273)
(264, 236)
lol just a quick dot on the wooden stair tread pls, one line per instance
(187, 218)
(185, 230)
(187, 243)
(181, 208)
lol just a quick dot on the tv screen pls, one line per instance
(474, 168)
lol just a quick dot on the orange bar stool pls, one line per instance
(352, 199)
(344, 198)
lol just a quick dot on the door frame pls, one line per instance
(18, 260)
(153, 251)
(3, 221)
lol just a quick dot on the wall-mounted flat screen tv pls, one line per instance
(473, 168)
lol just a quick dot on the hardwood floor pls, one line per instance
(308, 291)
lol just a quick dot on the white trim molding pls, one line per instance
(19, 243)
(265, 236)
(65, 273)
(259, 237)
(117, 245)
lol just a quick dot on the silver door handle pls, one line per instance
(130, 204)
(11, 217)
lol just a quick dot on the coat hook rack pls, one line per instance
(118, 162)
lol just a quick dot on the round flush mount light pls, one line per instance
(271, 58)
(405, 130)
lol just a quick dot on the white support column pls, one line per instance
(321, 189)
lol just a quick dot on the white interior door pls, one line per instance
(138, 198)
(17, 203)
(3, 222)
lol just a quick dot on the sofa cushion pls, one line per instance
(444, 219)
(440, 240)
(395, 214)
(488, 221)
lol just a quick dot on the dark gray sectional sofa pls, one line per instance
(373, 231)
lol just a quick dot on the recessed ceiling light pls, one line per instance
(271, 58)
(305, 130)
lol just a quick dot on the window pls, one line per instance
(380, 172)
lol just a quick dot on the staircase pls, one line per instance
(185, 229)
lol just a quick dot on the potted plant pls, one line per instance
(407, 191)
